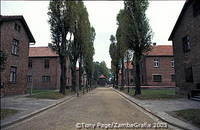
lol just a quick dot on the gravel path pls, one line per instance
(100, 105)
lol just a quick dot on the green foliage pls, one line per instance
(120, 37)
(61, 20)
(72, 36)
(2, 60)
(135, 32)
(48, 95)
(154, 94)
(89, 53)
(7, 112)
(191, 115)
(62, 17)
(114, 53)
(100, 69)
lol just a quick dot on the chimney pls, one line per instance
(154, 44)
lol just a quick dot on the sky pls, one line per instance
(162, 17)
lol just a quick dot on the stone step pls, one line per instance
(196, 98)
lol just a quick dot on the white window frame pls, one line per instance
(29, 78)
(13, 74)
(156, 63)
(172, 63)
(15, 47)
(46, 78)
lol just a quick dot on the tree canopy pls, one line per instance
(100, 68)
(138, 33)
(72, 37)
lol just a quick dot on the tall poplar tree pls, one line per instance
(60, 20)
(138, 33)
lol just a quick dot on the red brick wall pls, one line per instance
(21, 61)
(38, 70)
(189, 25)
(165, 69)
(128, 77)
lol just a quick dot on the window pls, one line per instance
(172, 63)
(131, 80)
(15, 47)
(30, 63)
(186, 44)
(29, 78)
(46, 79)
(189, 74)
(173, 78)
(46, 63)
(13, 74)
(157, 78)
(156, 63)
(196, 8)
(17, 27)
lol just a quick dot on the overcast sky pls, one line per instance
(102, 14)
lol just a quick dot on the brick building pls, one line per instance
(156, 68)
(15, 37)
(128, 74)
(44, 69)
(102, 80)
(186, 43)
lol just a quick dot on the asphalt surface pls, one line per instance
(100, 107)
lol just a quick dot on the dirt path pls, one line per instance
(102, 105)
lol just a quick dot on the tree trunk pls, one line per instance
(90, 79)
(74, 84)
(117, 78)
(63, 74)
(122, 80)
(87, 85)
(127, 68)
(137, 77)
(128, 77)
(128, 89)
(80, 72)
(113, 81)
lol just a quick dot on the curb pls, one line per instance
(41, 110)
(147, 110)
(36, 112)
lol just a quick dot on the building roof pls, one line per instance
(102, 77)
(160, 50)
(185, 7)
(42, 52)
(20, 18)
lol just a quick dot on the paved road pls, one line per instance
(101, 105)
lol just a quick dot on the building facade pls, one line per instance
(44, 69)
(129, 73)
(102, 80)
(186, 43)
(15, 38)
(157, 67)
